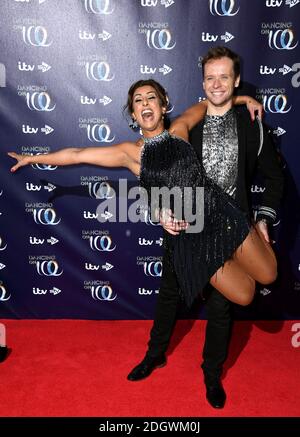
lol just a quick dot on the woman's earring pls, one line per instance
(133, 124)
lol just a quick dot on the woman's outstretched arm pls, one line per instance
(120, 155)
(185, 122)
(188, 119)
(253, 105)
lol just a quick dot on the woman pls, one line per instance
(166, 159)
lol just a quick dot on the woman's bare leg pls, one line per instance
(232, 281)
(253, 261)
(256, 257)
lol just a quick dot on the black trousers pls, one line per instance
(218, 328)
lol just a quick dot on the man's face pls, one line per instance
(219, 82)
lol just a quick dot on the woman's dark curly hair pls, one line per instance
(161, 92)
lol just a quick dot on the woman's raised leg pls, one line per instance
(256, 257)
(254, 260)
(232, 281)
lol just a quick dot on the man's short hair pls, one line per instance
(222, 52)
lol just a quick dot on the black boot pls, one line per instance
(3, 353)
(215, 393)
(146, 367)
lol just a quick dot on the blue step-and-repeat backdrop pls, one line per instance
(65, 68)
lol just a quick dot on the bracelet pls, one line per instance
(263, 220)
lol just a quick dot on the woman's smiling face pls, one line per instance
(148, 110)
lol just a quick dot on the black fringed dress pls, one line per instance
(169, 161)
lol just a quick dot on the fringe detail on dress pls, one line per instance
(169, 161)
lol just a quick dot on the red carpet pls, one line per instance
(78, 368)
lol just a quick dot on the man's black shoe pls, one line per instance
(216, 395)
(146, 367)
(3, 353)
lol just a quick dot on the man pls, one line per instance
(231, 147)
